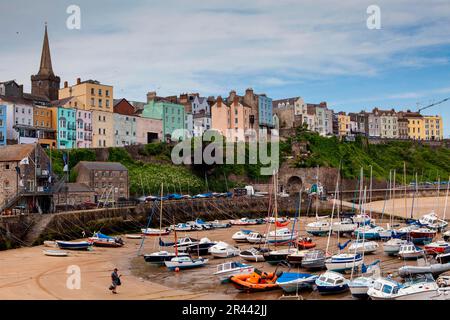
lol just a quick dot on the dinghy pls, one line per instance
(241, 235)
(388, 289)
(297, 256)
(133, 236)
(160, 257)
(74, 245)
(281, 236)
(410, 251)
(331, 283)
(55, 253)
(435, 269)
(292, 281)
(437, 247)
(253, 254)
(256, 237)
(392, 246)
(102, 240)
(223, 250)
(50, 244)
(361, 246)
(343, 261)
(314, 260)
(226, 270)
(432, 221)
(152, 232)
(185, 262)
(305, 243)
(255, 281)
(219, 225)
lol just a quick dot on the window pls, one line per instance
(92, 91)
(100, 103)
(92, 102)
(99, 92)
(107, 93)
(107, 103)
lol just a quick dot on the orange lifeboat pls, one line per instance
(256, 281)
(305, 243)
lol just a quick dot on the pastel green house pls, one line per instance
(171, 114)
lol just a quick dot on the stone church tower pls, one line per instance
(45, 83)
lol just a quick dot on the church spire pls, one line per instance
(46, 60)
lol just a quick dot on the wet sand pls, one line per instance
(27, 274)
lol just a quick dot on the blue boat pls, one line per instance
(331, 283)
(293, 281)
(79, 245)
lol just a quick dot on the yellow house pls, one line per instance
(343, 124)
(102, 129)
(89, 95)
(433, 127)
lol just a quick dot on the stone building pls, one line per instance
(72, 195)
(109, 180)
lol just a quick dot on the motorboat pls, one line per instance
(392, 246)
(244, 222)
(55, 253)
(253, 254)
(388, 289)
(281, 236)
(160, 257)
(182, 227)
(297, 256)
(200, 225)
(185, 262)
(305, 243)
(437, 247)
(223, 250)
(292, 281)
(256, 237)
(241, 235)
(220, 225)
(74, 245)
(361, 246)
(318, 228)
(274, 257)
(331, 283)
(369, 232)
(185, 242)
(432, 221)
(102, 240)
(313, 260)
(255, 281)
(360, 285)
(226, 270)
(343, 261)
(410, 251)
(346, 225)
(152, 232)
(200, 248)
(443, 257)
(422, 235)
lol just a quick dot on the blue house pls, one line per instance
(265, 111)
(2, 125)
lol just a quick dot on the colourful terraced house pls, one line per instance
(64, 120)
(172, 116)
(2, 125)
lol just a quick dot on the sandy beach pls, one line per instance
(28, 274)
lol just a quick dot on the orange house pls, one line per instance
(232, 121)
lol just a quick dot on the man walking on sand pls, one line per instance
(115, 279)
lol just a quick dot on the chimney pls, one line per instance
(249, 92)
(219, 101)
(66, 84)
(235, 100)
(78, 80)
(151, 95)
(323, 104)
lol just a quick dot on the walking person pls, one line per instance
(115, 281)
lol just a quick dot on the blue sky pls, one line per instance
(320, 50)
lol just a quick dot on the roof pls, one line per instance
(101, 165)
(16, 100)
(15, 152)
(74, 187)
(290, 100)
(61, 102)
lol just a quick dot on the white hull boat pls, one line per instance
(256, 237)
(410, 251)
(344, 226)
(387, 289)
(432, 221)
(343, 261)
(185, 262)
(392, 246)
(281, 236)
(241, 235)
(360, 286)
(55, 253)
(252, 254)
(363, 246)
(223, 250)
(318, 228)
(155, 232)
(228, 269)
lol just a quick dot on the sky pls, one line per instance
(319, 50)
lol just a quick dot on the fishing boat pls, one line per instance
(281, 236)
(152, 232)
(223, 250)
(292, 281)
(305, 243)
(360, 285)
(361, 246)
(256, 237)
(200, 248)
(74, 245)
(346, 225)
(388, 289)
(410, 251)
(102, 240)
(432, 221)
(297, 256)
(160, 257)
(226, 270)
(343, 261)
(274, 257)
(446, 235)
(314, 260)
(331, 283)
(253, 254)
(422, 235)
(55, 253)
(437, 247)
(185, 262)
(392, 246)
(244, 222)
(256, 281)
(220, 225)
(241, 235)
(318, 228)
(443, 258)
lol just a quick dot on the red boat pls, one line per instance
(305, 243)
(437, 247)
(106, 243)
(421, 235)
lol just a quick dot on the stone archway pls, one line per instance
(294, 184)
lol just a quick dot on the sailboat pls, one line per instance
(392, 246)
(321, 226)
(360, 285)
(223, 250)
